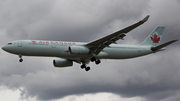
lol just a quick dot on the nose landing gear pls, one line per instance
(20, 60)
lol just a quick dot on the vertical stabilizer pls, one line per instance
(155, 37)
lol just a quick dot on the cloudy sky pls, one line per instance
(150, 78)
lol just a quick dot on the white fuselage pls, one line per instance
(60, 49)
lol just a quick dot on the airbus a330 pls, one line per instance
(83, 53)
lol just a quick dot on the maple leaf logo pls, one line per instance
(155, 38)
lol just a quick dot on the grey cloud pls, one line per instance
(56, 19)
(128, 79)
(162, 15)
(16, 16)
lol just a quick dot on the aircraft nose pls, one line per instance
(3, 47)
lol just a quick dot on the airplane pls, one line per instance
(83, 53)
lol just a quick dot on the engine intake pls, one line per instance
(78, 50)
(62, 63)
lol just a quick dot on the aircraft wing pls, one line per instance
(98, 45)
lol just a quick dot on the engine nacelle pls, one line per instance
(62, 63)
(78, 50)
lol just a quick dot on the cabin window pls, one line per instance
(9, 43)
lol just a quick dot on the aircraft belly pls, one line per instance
(66, 55)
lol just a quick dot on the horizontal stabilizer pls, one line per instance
(163, 45)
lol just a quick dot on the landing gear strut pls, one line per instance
(20, 60)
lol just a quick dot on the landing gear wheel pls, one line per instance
(88, 68)
(93, 59)
(83, 66)
(98, 61)
(20, 60)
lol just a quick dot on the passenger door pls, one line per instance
(19, 43)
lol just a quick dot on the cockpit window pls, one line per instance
(9, 43)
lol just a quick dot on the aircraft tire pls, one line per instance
(98, 61)
(83, 66)
(93, 59)
(20, 60)
(88, 68)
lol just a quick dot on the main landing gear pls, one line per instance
(97, 61)
(20, 60)
(86, 68)
(93, 59)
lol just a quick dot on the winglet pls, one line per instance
(163, 45)
(146, 18)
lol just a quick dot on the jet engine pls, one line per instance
(78, 50)
(62, 63)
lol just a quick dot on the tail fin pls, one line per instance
(155, 37)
